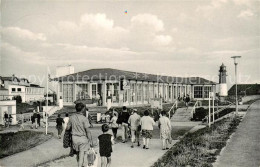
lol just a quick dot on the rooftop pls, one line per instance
(115, 74)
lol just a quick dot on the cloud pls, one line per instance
(163, 39)
(16, 32)
(246, 14)
(97, 20)
(147, 21)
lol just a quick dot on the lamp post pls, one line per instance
(235, 62)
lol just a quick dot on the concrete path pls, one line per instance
(243, 149)
(123, 155)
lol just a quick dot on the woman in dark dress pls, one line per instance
(59, 122)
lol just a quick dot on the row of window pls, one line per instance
(138, 92)
(18, 89)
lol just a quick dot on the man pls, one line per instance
(81, 136)
(187, 100)
(134, 121)
(123, 119)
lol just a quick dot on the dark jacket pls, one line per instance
(123, 117)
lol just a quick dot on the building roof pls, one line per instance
(35, 85)
(3, 88)
(245, 89)
(114, 74)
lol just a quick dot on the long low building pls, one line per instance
(130, 88)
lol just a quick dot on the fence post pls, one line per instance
(209, 110)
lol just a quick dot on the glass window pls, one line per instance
(170, 93)
(198, 92)
(160, 91)
(94, 90)
(82, 91)
(125, 96)
(156, 91)
(145, 91)
(67, 92)
(116, 93)
(207, 89)
(19, 89)
(132, 92)
(150, 91)
(13, 89)
(139, 92)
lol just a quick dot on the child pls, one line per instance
(105, 146)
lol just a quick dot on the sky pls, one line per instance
(176, 38)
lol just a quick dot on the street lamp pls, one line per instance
(235, 62)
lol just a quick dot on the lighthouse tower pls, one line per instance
(223, 81)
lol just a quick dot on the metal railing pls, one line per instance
(194, 108)
(174, 104)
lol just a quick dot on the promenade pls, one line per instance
(243, 149)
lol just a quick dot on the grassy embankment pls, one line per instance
(12, 143)
(200, 148)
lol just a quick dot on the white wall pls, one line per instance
(10, 108)
(16, 93)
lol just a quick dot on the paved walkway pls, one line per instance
(123, 154)
(243, 149)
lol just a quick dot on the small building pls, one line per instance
(14, 86)
(130, 88)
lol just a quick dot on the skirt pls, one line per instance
(147, 134)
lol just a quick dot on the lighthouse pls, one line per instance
(222, 81)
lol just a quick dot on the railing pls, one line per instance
(218, 111)
(194, 108)
(174, 104)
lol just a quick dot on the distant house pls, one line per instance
(14, 86)
(245, 89)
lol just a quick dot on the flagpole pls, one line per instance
(47, 80)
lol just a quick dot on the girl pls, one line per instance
(105, 146)
(165, 130)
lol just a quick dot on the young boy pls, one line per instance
(105, 146)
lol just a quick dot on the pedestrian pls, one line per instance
(123, 120)
(59, 122)
(66, 120)
(134, 122)
(187, 100)
(89, 117)
(6, 119)
(81, 135)
(105, 141)
(147, 127)
(165, 130)
(39, 118)
(114, 125)
(34, 119)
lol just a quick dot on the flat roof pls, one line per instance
(116, 75)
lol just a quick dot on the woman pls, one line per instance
(66, 120)
(147, 127)
(59, 122)
(114, 125)
(165, 130)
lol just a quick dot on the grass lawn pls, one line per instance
(12, 143)
(200, 148)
